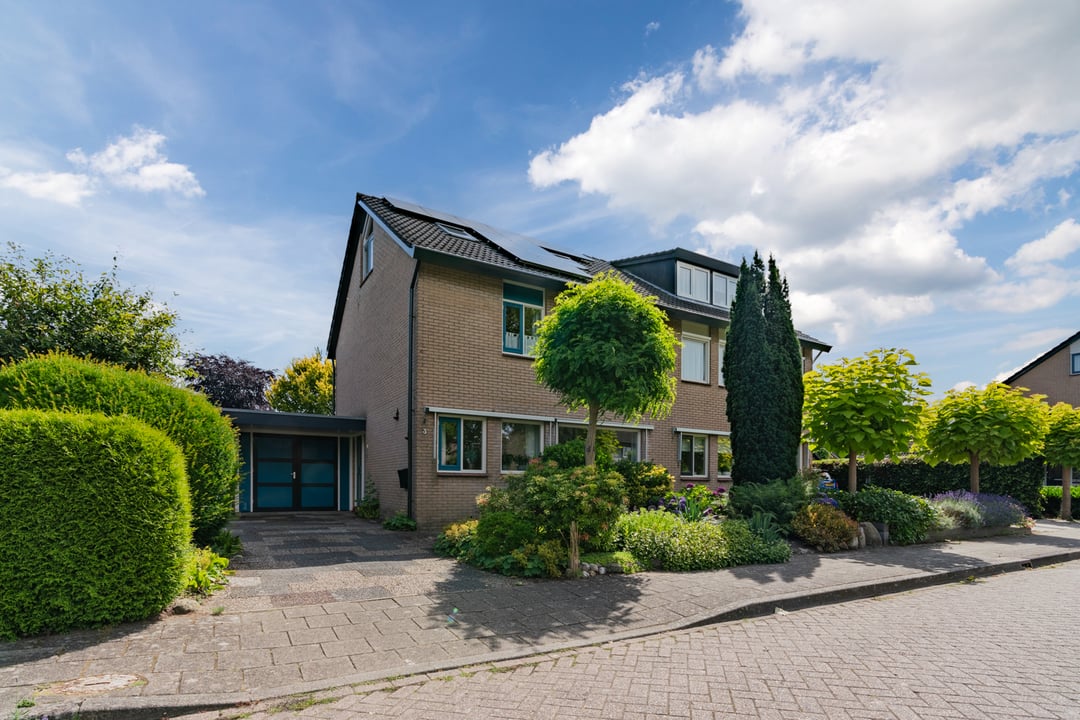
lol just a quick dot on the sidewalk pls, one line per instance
(318, 606)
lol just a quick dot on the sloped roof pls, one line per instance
(1042, 358)
(423, 229)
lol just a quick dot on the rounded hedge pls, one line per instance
(94, 521)
(207, 439)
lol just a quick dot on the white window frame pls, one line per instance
(695, 472)
(686, 288)
(729, 286)
(1076, 363)
(527, 346)
(458, 467)
(722, 474)
(540, 449)
(721, 346)
(369, 247)
(694, 339)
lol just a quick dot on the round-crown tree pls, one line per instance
(1062, 447)
(998, 424)
(869, 406)
(607, 348)
(306, 387)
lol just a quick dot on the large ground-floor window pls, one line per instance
(521, 442)
(461, 444)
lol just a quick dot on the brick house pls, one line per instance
(431, 339)
(1055, 373)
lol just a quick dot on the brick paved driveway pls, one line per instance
(985, 649)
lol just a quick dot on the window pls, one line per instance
(720, 362)
(628, 445)
(1076, 364)
(461, 444)
(369, 247)
(723, 289)
(723, 456)
(695, 353)
(455, 231)
(523, 309)
(692, 452)
(692, 282)
(571, 432)
(520, 444)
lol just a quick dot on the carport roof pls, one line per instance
(256, 420)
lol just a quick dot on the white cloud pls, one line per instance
(1042, 340)
(1058, 244)
(856, 142)
(137, 163)
(651, 28)
(64, 188)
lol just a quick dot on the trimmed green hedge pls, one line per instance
(1021, 482)
(1051, 497)
(94, 521)
(207, 439)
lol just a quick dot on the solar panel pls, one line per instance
(521, 247)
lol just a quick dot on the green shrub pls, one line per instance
(226, 544)
(1051, 498)
(456, 539)
(662, 539)
(782, 498)
(646, 483)
(500, 532)
(94, 521)
(909, 474)
(368, 508)
(207, 439)
(206, 572)
(400, 521)
(909, 517)
(571, 453)
(624, 561)
(825, 527)
(957, 513)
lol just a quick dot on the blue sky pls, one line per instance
(914, 166)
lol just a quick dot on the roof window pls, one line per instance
(455, 231)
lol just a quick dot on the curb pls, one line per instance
(144, 708)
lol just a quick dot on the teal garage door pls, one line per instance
(295, 472)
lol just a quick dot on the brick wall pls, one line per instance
(1052, 378)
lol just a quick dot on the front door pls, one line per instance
(295, 472)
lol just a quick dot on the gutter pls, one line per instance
(410, 412)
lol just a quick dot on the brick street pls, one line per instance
(982, 649)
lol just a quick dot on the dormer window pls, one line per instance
(723, 289)
(692, 282)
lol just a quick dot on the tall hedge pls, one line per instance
(207, 439)
(1022, 482)
(94, 521)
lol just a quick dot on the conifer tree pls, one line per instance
(786, 377)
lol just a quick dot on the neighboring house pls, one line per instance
(432, 339)
(1055, 373)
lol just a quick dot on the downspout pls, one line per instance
(410, 413)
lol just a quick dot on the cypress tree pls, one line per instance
(786, 376)
(745, 375)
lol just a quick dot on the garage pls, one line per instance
(297, 462)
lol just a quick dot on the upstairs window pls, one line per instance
(523, 309)
(695, 353)
(1076, 363)
(369, 247)
(723, 290)
(720, 361)
(692, 282)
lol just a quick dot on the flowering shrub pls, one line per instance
(456, 539)
(979, 509)
(696, 502)
(646, 482)
(825, 527)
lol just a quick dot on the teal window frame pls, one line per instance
(462, 451)
(518, 300)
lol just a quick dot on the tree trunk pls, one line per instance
(974, 472)
(852, 474)
(575, 551)
(1066, 493)
(590, 435)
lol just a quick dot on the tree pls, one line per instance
(306, 387)
(47, 304)
(786, 375)
(763, 376)
(1062, 447)
(868, 406)
(607, 349)
(229, 383)
(998, 425)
